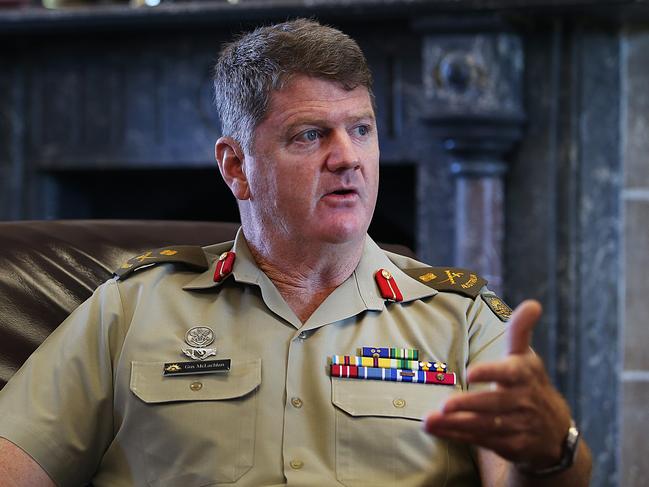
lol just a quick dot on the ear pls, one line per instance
(230, 158)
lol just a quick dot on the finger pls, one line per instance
(503, 436)
(479, 425)
(521, 324)
(510, 371)
(499, 402)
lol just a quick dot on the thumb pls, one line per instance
(521, 324)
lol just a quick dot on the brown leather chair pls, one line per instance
(48, 268)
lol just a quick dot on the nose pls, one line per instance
(342, 152)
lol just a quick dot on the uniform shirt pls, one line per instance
(92, 402)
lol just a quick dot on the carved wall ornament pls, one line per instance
(473, 73)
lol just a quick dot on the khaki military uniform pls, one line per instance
(93, 403)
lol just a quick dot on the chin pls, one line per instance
(341, 234)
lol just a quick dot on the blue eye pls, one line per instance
(363, 130)
(310, 135)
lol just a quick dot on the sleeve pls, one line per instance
(486, 336)
(59, 406)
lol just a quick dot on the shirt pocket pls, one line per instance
(196, 430)
(379, 435)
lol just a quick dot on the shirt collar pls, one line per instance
(361, 293)
(245, 269)
(356, 294)
(375, 258)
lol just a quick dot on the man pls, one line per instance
(272, 325)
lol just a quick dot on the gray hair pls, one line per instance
(264, 60)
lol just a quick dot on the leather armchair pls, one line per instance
(48, 268)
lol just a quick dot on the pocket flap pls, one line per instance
(384, 398)
(148, 383)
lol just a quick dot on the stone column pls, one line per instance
(473, 107)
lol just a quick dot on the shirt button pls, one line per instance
(196, 386)
(296, 402)
(302, 335)
(399, 403)
(297, 464)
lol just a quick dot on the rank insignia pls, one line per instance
(198, 338)
(191, 368)
(224, 266)
(189, 256)
(387, 286)
(429, 276)
(449, 279)
(498, 306)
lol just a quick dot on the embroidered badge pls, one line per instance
(498, 306)
(429, 276)
(189, 256)
(449, 279)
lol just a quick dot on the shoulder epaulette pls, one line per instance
(191, 256)
(449, 279)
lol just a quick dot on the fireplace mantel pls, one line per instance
(36, 20)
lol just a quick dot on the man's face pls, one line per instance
(313, 167)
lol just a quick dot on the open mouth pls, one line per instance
(343, 192)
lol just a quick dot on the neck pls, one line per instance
(304, 273)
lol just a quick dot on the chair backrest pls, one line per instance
(48, 268)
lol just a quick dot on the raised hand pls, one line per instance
(523, 418)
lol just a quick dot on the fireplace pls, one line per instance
(200, 194)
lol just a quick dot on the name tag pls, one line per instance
(198, 367)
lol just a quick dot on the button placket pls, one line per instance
(294, 415)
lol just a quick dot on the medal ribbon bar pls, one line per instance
(394, 375)
(386, 363)
(386, 352)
